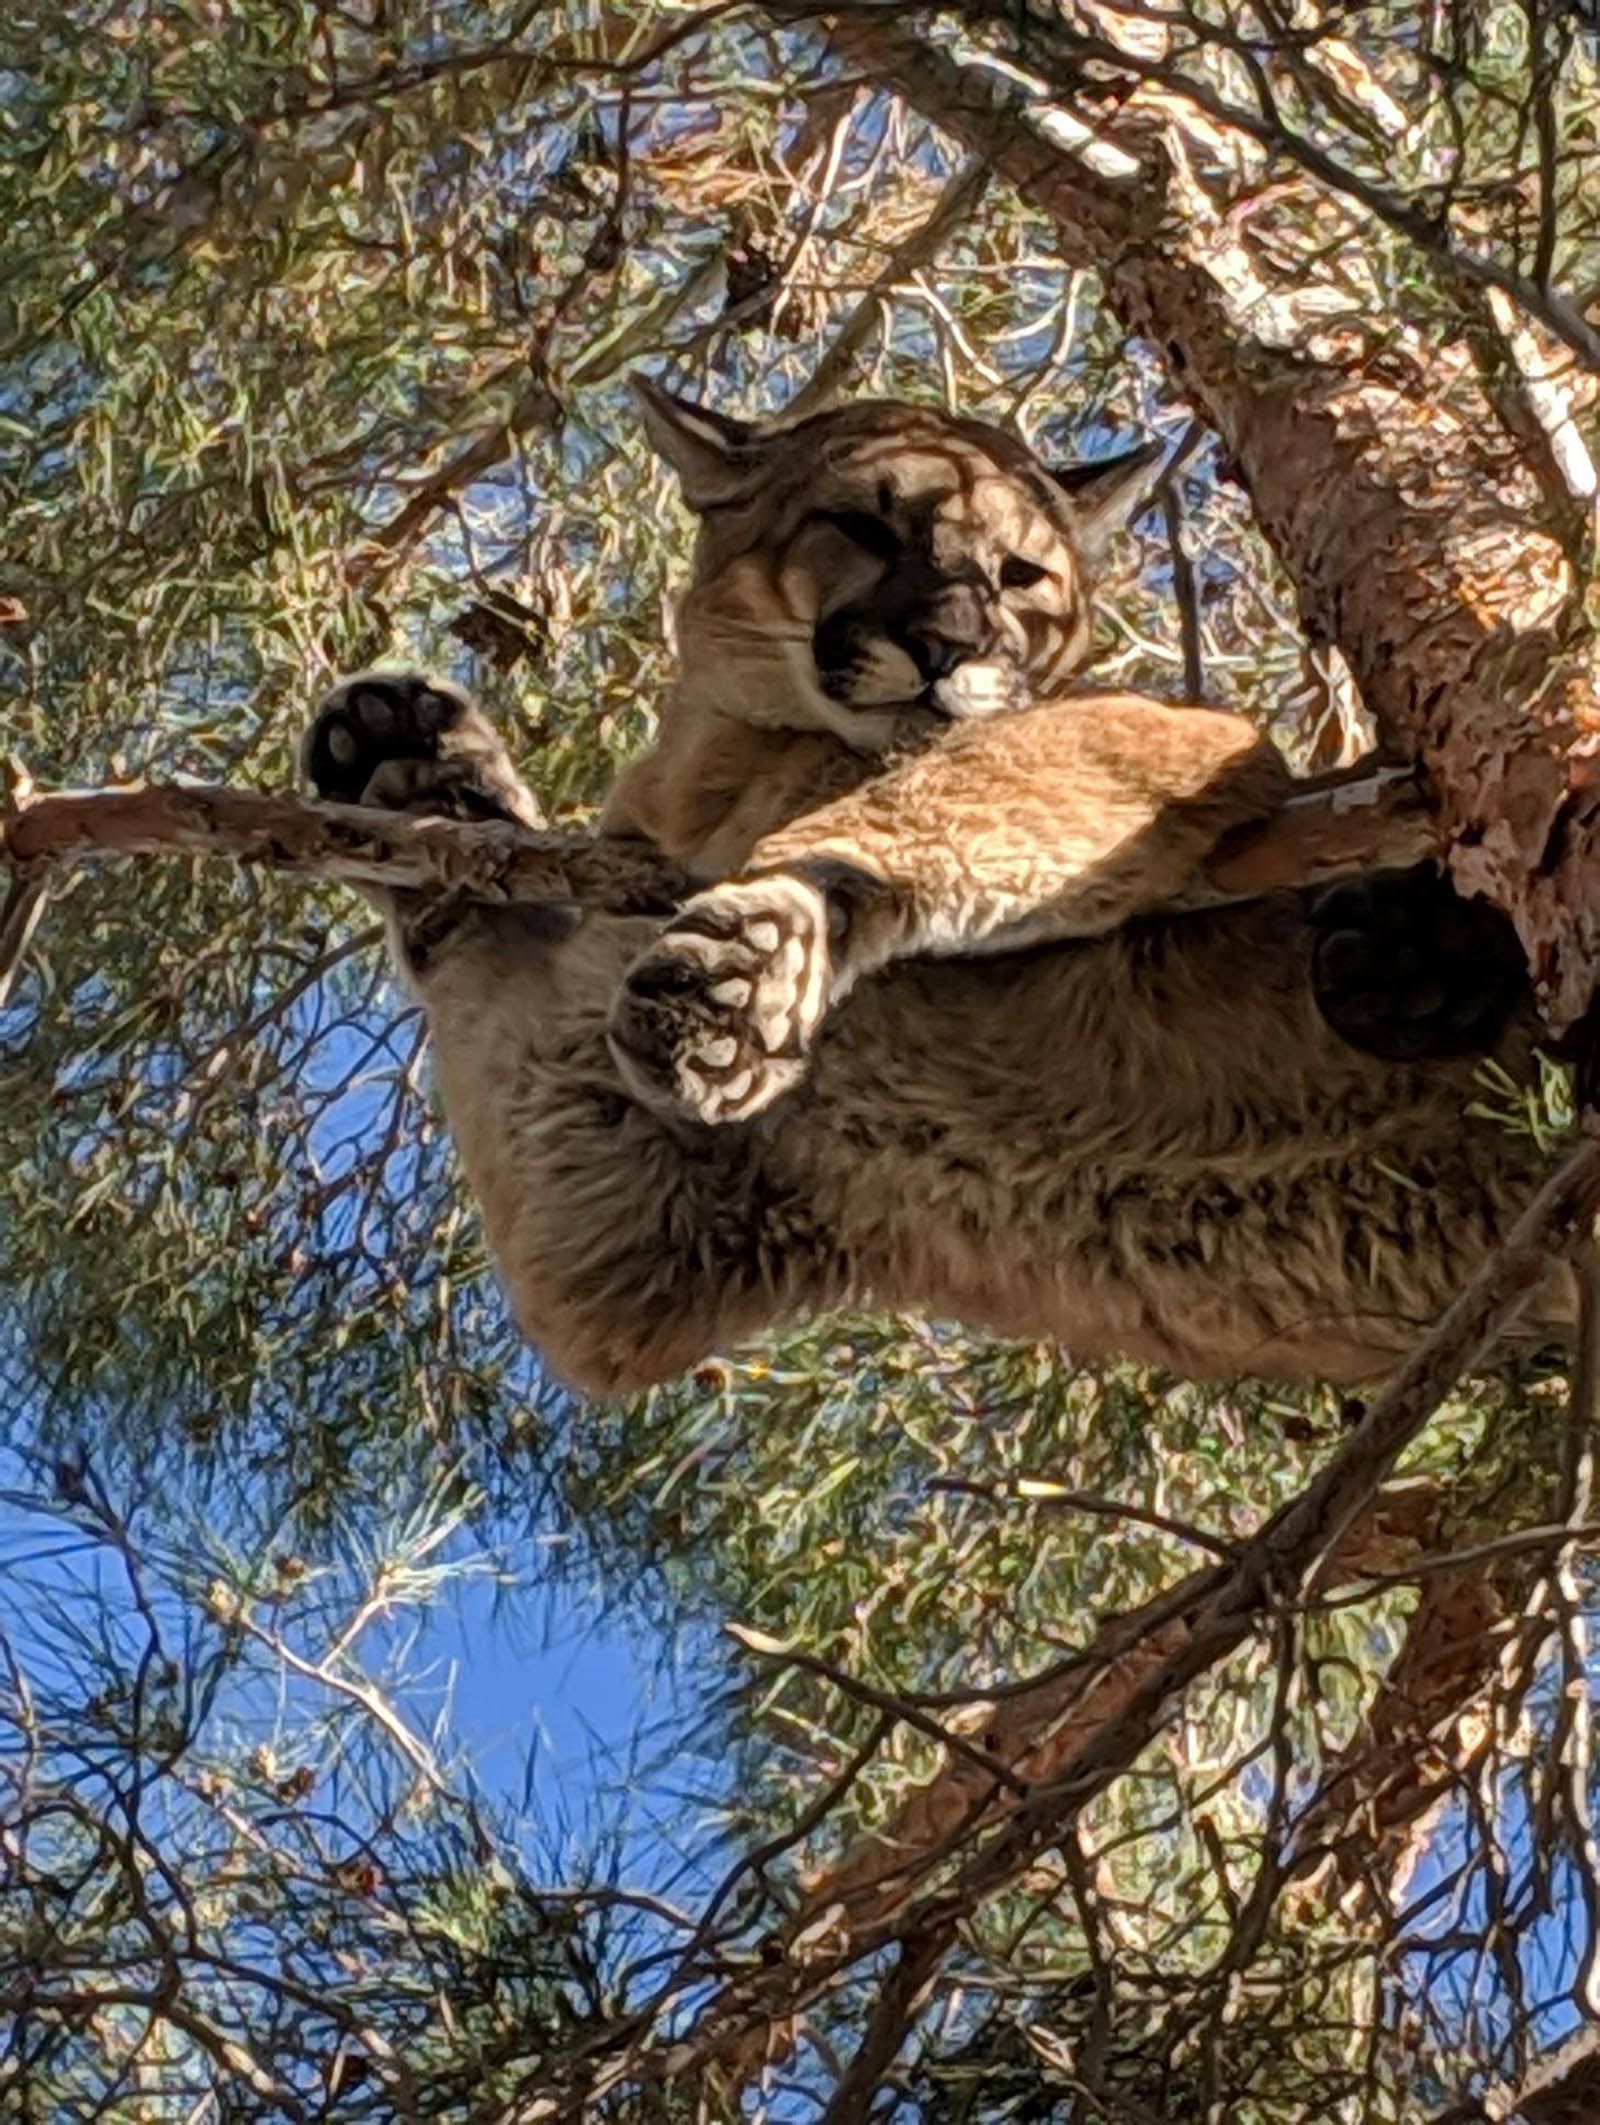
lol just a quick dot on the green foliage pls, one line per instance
(313, 325)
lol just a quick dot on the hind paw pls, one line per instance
(718, 1016)
(1404, 968)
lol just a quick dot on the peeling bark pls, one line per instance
(1332, 826)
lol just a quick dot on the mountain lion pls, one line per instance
(921, 1042)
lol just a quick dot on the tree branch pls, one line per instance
(489, 861)
(1067, 54)
(1368, 1823)
(1333, 825)
(1034, 1731)
(954, 206)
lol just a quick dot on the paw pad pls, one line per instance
(409, 742)
(717, 1017)
(377, 717)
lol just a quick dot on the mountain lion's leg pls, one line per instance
(630, 1244)
(410, 743)
(1059, 821)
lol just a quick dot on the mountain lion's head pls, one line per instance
(860, 575)
(917, 559)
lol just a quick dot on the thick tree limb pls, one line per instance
(1563, 2089)
(1078, 60)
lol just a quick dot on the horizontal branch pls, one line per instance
(1374, 818)
(490, 861)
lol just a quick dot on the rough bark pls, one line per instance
(1334, 825)
(1424, 524)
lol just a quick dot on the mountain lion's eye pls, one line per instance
(870, 533)
(1018, 574)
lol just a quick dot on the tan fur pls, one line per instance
(1139, 1138)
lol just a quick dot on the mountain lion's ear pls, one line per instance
(1107, 493)
(710, 452)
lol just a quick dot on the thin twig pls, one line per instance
(955, 205)
(1185, 586)
(899, 2002)
(19, 917)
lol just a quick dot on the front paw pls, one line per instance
(407, 742)
(717, 1017)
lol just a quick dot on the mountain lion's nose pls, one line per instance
(954, 629)
(937, 656)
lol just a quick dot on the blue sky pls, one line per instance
(563, 1713)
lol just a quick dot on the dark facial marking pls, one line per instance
(1018, 574)
(868, 532)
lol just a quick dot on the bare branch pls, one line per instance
(901, 1999)
(1336, 824)
(489, 861)
(1036, 1730)
(1185, 587)
(19, 917)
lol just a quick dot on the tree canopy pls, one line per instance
(315, 322)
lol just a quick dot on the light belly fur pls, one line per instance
(1146, 1146)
